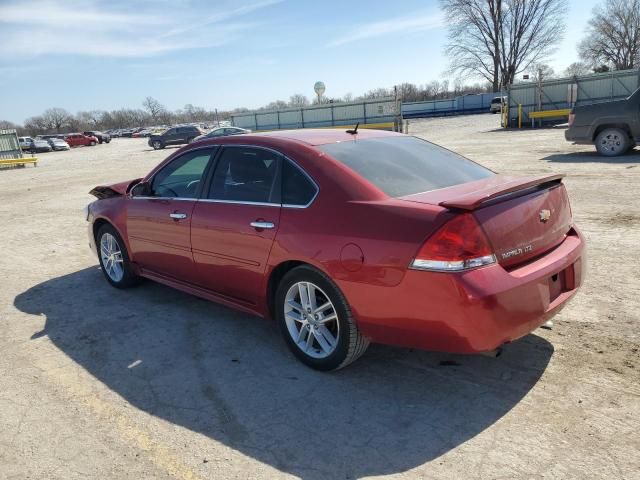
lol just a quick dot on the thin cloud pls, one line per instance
(102, 28)
(411, 24)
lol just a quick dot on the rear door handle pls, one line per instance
(178, 216)
(262, 225)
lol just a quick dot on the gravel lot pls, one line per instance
(153, 383)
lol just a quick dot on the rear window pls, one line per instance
(402, 166)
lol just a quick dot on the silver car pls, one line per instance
(58, 144)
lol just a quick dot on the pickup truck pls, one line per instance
(614, 127)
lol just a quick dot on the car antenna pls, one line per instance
(355, 130)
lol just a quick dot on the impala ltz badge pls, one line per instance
(545, 215)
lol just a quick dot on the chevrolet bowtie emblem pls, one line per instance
(545, 215)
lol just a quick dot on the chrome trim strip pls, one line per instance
(239, 202)
(164, 198)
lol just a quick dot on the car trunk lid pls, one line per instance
(523, 217)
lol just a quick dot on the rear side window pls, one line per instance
(402, 166)
(245, 174)
(297, 189)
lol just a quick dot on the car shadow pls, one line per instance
(228, 376)
(593, 157)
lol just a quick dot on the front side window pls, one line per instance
(246, 174)
(182, 177)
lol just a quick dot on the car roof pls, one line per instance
(323, 136)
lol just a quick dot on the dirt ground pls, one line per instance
(153, 383)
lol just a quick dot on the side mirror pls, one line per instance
(142, 189)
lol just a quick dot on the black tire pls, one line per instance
(351, 344)
(612, 142)
(157, 145)
(93, 144)
(129, 278)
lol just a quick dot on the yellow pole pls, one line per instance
(519, 115)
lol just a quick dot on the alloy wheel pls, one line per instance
(111, 255)
(311, 319)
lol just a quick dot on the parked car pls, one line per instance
(78, 139)
(39, 145)
(174, 136)
(496, 104)
(387, 239)
(57, 144)
(101, 136)
(142, 133)
(614, 127)
(221, 132)
(26, 143)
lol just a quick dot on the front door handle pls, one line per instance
(178, 216)
(262, 225)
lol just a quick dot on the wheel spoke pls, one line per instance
(328, 318)
(322, 341)
(325, 338)
(322, 307)
(296, 316)
(310, 338)
(311, 291)
(304, 297)
(301, 332)
(295, 305)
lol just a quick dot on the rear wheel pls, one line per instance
(114, 258)
(316, 321)
(612, 142)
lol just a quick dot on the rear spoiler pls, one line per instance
(473, 200)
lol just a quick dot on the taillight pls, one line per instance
(572, 117)
(460, 244)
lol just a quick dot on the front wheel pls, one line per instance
(316, 321)
(93, 144)
(612, 142)
(114, 258)
(157, 145)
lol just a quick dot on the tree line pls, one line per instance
(153, 113)
(492, 40)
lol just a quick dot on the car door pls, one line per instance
(168, 138)
(234, 224)
(158, 225)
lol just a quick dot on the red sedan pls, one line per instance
(78, 139)
(346, 239)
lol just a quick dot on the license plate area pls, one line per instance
(561, 282)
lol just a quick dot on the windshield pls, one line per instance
(405, 165)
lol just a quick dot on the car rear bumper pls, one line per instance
(469, 312)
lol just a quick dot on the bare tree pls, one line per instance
(56, 118)
(7, 125)
(541, 72)
(154, 107)
(497, 39)
(298, 100)
(613, 38)
(576, 69)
